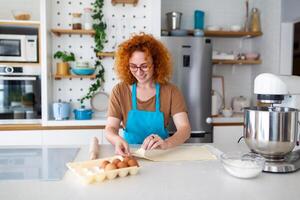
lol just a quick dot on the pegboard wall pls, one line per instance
(122, 20)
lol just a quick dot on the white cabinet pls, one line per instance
(71, 137)
(228, 135)
(20, 137)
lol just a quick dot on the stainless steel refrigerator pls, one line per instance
(192, 72)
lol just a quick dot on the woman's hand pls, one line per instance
(121, 147)
(153, 141)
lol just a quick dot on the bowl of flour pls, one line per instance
(243, 165)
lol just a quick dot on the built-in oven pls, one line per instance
(20, 94)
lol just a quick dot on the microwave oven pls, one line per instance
(18, 48)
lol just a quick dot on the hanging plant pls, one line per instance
(100, 39)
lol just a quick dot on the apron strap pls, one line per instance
(157, 103)
(133, 96)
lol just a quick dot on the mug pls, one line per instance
(199, 19)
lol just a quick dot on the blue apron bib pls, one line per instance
(141, 123)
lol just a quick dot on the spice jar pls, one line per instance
(87, 19)
(255, 20)
(76, 21)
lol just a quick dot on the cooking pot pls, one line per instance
(83, 113)
(271, 131)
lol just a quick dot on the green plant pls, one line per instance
(64, 56)
(100, 39)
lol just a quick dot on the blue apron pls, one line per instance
(141, 123)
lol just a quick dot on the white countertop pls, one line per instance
(161, 180)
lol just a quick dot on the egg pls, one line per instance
(122, 164)
(132, 162)
(116, 161)
(104, 163)
(110, 166)
(127, 158)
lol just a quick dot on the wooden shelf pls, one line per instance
(106, 54)
(19, 23)
(59, 77)
(231, 34)
(133, 2)
(236, 62)
(59, 32)
(21, 64)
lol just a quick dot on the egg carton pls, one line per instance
(90, 171)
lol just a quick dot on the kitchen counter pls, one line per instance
(161, 180)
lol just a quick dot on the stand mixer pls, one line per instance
(273, 131)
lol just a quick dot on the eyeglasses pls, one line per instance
(143, 67)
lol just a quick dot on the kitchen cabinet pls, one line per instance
(227, 135)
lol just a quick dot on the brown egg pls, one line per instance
(104, 163)
(127, 158)
(116, 161)
(132, 162)
(110, 166)
(122, 164)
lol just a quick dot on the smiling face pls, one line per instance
(141, 67)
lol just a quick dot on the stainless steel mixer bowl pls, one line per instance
(271, 131)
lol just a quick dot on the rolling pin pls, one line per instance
(94, 148)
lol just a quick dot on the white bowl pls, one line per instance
(235, 28)
(213, 28)
(242, 165)
(227, 112)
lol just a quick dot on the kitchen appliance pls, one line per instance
(18, 48)
(273, 131)
(45, 164)
(239, 103)
(20, 93)
(192, 69)
(173, 20)
(61, 110)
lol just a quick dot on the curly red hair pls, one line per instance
(162, 66)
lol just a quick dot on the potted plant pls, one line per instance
(100, 39)
(62, 68)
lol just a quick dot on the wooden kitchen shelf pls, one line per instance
(133, 2)
(59, 32)
(19, 23)
(106, 54)
(231, 34)
(59, 77)
(236, 62)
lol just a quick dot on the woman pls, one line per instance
(144, 100)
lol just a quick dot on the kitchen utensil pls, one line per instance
(83, 113)
(21, 14)
(94, 148)
(83, 71)
(238, 104)
(235, 27)
(255, 20)
(61, 110)
(252, 56)
(227, 112)
(99, 101)
(179, 32)
(213, 28)
(90, 172)
(199, 19)
(242, 165)
(173, 20)
(271, 131)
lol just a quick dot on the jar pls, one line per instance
(87, 19)
(76, 21)
(255, 20)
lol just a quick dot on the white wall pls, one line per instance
(32, 6)
(290, 10)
